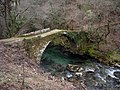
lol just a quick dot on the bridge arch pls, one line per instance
(37, 45)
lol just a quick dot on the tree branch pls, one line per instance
(22, 12)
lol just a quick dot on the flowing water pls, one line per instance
(95, 75)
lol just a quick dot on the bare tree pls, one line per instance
(13, 19)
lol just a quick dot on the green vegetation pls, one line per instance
(84, 43)
(34, 45)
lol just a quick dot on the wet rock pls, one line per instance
(62, 78)
(99, 78)
(73, 68)
(89, 70)
(100, 86)
(69, 75)
(79, 74)
(117, 86)
(118, 82)
(111, 82)
(117, 74)
(99, 66)
(113, 73)
(117, 65)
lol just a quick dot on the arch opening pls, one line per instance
(77, 68)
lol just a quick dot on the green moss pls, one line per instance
(114, 56)
(79, 43)
(33, 45)
(91, 52)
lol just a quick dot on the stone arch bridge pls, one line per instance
(36, 45)
(36, 42)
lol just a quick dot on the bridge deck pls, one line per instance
(16, 39)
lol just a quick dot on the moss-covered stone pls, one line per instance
(79, 43)
(34, 45)
(75, 42)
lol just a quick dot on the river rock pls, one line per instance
(99, 78)
(117, 65)
(79, 73)
(73, 68)
(113, 73)
(100, 86)
(89, 70)
(69, 75)
(117, 74)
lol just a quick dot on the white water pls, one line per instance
(110, 72)
(94, 74)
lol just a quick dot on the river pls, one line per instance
(80, 69)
